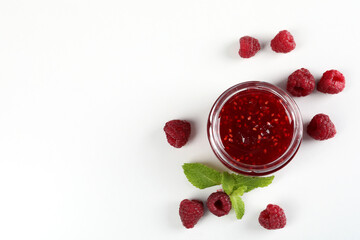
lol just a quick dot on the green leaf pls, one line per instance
(251, 182)
(228, 182)
(201, 176)
(237, 203)
(240, 191)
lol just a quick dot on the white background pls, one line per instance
(87, 86)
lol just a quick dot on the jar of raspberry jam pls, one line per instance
(255, 128)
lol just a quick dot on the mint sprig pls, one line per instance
(234, 185)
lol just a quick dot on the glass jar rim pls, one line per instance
(214, 133)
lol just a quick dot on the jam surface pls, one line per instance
(255, 127)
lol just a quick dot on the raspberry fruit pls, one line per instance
(190, 212)
(283, 42)
(249, 46)
(321, 127)
(332, 82)
(273, 217)
(300, 83)
(219, 203)
(177, 132)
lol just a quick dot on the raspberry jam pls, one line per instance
(255, 128)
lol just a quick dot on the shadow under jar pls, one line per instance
(255, 128)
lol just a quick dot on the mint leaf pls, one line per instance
(251, 182)
(240, 191)
(201, 176)
(228, 182)
(237, 203)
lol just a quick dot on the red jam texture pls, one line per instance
(255, 127)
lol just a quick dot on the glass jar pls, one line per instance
(255, 128)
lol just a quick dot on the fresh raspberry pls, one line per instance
(190, 212)
(273, 217)
(249, 46)
(283, 42)
(332, 82)
(177, 132)
(219, 203)
(321, 127)
(300, 83)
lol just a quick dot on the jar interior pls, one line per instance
(216, 131)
